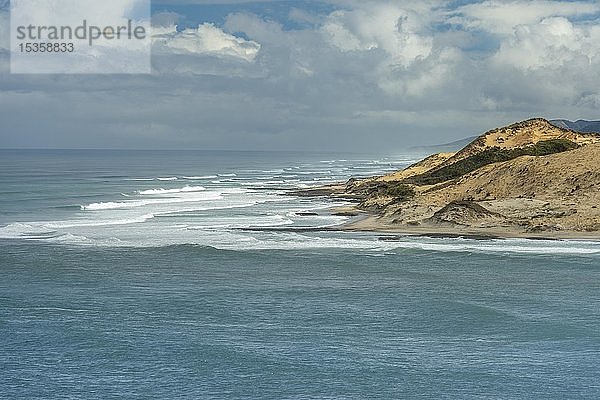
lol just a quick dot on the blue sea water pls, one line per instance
(133, 275)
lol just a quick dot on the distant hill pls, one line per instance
(579, 126)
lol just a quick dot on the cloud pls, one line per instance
(397, 31)
(218, 2)
(553, 42)
(206, 39)
(548, 65)
(366, 75)
(165, 19)
(4, 30)
(503, 16)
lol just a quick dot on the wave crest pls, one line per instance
(185, 189)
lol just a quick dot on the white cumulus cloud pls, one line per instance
(553, 42)
(397, 31)
(501, 16)
(205, 39)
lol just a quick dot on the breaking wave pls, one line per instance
(184, 189)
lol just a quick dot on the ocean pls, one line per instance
(155, 275)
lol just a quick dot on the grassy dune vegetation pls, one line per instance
(489, 156)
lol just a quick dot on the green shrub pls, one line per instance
(489, 156)
(400, 191)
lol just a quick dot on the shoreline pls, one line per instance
(362, 221)
(369, 224)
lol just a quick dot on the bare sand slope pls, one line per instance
(559, 191)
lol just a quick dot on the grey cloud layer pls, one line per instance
(370, 75)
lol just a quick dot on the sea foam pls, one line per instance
(112, 205)
(184, 189)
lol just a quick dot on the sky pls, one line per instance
(332, 75)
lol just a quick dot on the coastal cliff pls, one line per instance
(531, 178)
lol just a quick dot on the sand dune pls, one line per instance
(555, 195)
